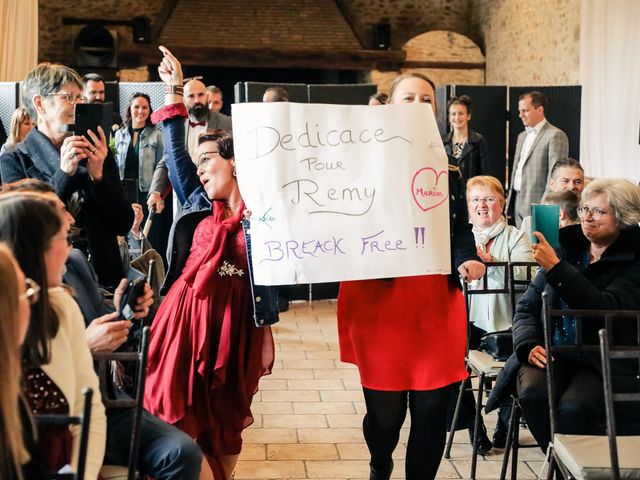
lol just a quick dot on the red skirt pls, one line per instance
(205, 360)
(405, 333)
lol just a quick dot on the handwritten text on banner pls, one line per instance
(342, 192)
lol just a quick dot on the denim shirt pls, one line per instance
(197, 206)
(150, 153)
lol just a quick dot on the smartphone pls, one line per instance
(134, 290)
(88, 116)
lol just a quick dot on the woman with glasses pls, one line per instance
(596, 267)
(21, 125)
(469, 148)
(21, 459)
(206, 353)
(72, 164)
(56, 360)
(495, 242)
(407, 335)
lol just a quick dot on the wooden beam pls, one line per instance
(136, 55)
(356, 27)
(161, 19)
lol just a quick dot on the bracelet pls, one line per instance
(174, 90)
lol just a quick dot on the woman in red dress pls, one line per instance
(408, 336)
(206, 355)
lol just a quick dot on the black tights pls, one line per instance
(386, 412)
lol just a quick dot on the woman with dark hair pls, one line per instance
(206, 354)
(20, 458)
(407, 335)
(139, 145)
(55, 356)
(469, 148)
(139, 149)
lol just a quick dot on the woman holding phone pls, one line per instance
(72, 164)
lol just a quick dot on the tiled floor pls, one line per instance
(308, 413)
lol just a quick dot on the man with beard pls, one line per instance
(201, 118)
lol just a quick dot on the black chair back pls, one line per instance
(105, 361)
(609, 318)
(64, 420)
(520, 276)
(608, 353)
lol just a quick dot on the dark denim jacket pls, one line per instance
(196, 206)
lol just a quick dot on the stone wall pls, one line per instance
(409, 18)
(529, 43)
(55, 40)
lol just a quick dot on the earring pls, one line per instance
(234, 170)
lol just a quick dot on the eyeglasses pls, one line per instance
(596, 213)
(69, 97)
(32, 294)
(487, 200)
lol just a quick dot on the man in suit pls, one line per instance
(201, 118)
(539, 147)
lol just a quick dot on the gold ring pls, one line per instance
(94, 151)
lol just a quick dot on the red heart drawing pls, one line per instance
(426, 191)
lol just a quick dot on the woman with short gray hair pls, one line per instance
(622, 196)
(72, 163)
(597, 267)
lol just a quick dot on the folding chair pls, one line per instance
(520, 276)
(84, 421)
(480, 364)
(105, 361)
(626, 463)
(592, 456)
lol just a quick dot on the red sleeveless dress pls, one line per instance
(206, 356)
(406, 333)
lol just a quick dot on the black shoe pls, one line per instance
(484, 444)
(283, 304)
(500, 435)
(381, 474)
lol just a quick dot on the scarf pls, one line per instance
(482, 237)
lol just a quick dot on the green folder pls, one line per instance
(546, 220)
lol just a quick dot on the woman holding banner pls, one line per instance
(407, 336)
(206, 354)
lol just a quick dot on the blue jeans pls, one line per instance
(166, 453)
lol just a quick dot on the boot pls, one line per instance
(381, 474)
(500, 435)
(484, 444)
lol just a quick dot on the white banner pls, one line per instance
(342, 192)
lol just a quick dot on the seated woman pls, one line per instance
(598, 267)
(206, 354)
(56, 360)
(495, 242)
(21, 459)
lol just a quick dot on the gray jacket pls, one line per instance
(551, 144)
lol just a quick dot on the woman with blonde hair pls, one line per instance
(20, 458)
(21, 124)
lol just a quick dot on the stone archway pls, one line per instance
(445, 57)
